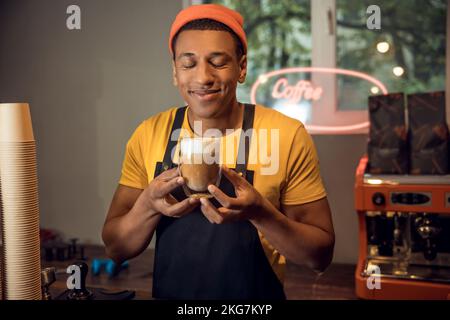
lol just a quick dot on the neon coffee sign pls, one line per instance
(305, 90)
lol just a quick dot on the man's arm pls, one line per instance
(303, 234)
(135, 213)
(129, 226)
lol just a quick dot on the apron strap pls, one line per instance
(245, 138)
(172, 141)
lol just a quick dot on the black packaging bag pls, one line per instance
(388, 147)
(429, 135)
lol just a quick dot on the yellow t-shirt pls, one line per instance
(282, 156)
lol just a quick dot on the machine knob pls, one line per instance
(378, 199)
(48, 276)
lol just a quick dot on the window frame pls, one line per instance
(323, 54)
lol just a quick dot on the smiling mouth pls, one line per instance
(205, 95)
(203, 92)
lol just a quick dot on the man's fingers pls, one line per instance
(217, 215)
(164, 188)
(235, 178)
(169, 200)
(227, 212)
(208, 217)
(181, 208)
(213, 214)
(168, 174)
(223, 199)
(210, 211)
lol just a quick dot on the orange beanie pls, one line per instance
(216, 12)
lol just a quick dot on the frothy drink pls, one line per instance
(199, 165)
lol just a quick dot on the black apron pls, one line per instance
(195, 259)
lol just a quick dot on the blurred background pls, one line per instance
(89, 89)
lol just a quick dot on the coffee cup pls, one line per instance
(199, 165)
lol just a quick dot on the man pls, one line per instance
(234, 245)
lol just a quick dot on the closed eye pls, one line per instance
(218, 61)
(188, 66)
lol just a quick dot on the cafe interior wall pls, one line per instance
(89, 89)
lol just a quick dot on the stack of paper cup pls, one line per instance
(20, 207)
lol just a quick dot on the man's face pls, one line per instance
(206, 70)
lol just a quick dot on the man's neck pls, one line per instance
(230, 118)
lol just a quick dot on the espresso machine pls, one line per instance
(404, 235)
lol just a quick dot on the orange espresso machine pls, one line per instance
(404, 235)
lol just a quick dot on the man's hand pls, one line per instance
(243, 207)
(158, 198)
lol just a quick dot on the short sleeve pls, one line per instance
(133, 168)
(303, 180)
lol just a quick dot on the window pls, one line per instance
(318, 62)
(407, 55)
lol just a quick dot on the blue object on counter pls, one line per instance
(111, 268)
